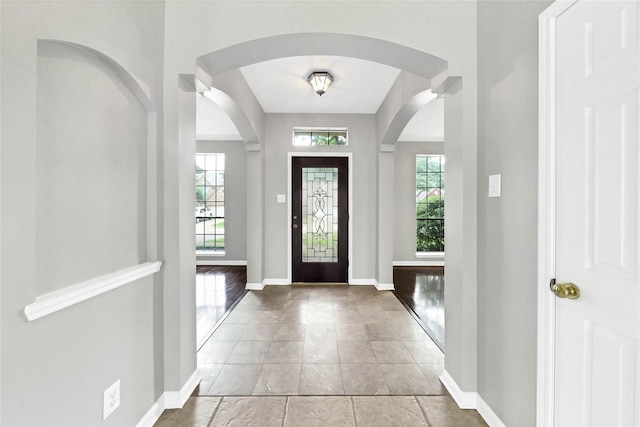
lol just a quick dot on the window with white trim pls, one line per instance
(429, 203)
(209, 209)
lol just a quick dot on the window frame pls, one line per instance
(336, 132)
(436, 191)
(214, 209)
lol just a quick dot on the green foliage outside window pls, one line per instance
(319, 137)
(200, 194)
(328, 139)
(430, 226)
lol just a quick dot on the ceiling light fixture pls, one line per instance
(320, 81)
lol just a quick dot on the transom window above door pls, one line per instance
(319, 136)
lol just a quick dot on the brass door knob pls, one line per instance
(566, 290)
(295, 226)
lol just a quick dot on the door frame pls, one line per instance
(290, 156)
(547, 90)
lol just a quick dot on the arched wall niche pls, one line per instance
(95, 135)
(126, 78)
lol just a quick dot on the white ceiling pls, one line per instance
(358, 87)
(281, 86)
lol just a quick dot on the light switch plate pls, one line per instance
(282, 198)
(494, 185)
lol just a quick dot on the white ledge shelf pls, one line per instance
(430, 255)
(55, 301)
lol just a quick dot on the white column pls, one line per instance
(460, 293)
(176, 246)
(255, 211)
(384, 275)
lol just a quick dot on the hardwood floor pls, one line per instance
(218, 289)
(421, 290)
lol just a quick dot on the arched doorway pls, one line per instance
(415, 64)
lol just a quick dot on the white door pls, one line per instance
(597, 361)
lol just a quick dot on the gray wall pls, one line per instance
(235, 199)
(74, 153)
(507, 249)
(404, 198)
(362, 144)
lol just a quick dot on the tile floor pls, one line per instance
(321, 411)
(320, 355)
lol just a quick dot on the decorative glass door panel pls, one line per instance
(319, 219)
(319, 214)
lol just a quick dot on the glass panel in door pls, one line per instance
(319, 214)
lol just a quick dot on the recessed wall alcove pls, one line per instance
(91, 174)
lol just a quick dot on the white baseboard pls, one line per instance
(255, 286)
(170, 400)
(220, 262)
(177, 399)
(362, 282)
(425, 263)
(487, 413)
(385, 286)
(277, 282)
(464, 399)
(152, 415)
(470, 400)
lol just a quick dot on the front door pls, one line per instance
(319, 219)
(597, 361)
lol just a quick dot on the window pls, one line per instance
(429, 203)
(316, 136)
(209, 212)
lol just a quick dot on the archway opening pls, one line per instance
(389, 124)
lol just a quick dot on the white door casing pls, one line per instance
(590, 361)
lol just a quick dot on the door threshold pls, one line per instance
(319, 284)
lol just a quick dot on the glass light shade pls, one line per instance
(320, 82)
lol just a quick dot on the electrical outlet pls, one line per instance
(111, 399)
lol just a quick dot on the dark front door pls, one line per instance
(319, 219)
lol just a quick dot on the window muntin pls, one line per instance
(318, 136)
(430, 203)
(209, 209)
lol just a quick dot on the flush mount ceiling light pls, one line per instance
(320, 81)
